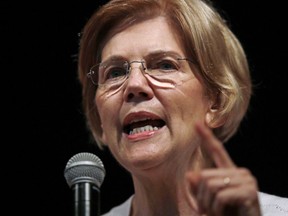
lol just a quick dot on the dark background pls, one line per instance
(44, 125)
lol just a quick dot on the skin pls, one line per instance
(166, 165)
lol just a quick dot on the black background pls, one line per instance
(43, 124)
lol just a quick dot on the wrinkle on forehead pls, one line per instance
(137, 39)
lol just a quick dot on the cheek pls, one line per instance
(108, 108)
(195, 104)
(197, 92)
(191, 98)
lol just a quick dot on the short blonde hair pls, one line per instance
(206, 37)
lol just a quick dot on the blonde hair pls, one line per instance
(206, 37)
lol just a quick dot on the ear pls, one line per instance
(213, 117)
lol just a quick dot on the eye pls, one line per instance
(165, 65)
(115, 72)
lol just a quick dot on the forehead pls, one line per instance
(141, 38)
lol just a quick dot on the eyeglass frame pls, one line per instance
(128, 69)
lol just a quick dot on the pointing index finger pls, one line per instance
(214, 147)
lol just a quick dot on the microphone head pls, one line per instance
(84, 167)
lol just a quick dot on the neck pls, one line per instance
(164, 191)
(162, 199)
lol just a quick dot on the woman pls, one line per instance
(168, 84)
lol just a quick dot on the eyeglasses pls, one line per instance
(162, 67)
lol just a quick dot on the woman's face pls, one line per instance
(159, 114)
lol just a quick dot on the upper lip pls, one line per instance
(139, 116)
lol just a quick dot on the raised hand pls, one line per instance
(226, 189)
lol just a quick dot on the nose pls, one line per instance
(137, 86)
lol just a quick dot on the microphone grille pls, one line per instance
(84, 167)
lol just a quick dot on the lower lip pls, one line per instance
(141, 136)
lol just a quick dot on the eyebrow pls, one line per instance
(150, 55)
(158, 53)
(114, 58)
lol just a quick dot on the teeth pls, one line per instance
(143, 129)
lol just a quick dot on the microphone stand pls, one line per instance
(87, 199)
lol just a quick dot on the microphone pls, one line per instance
(85, 173)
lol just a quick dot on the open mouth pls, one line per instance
(144, 125)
